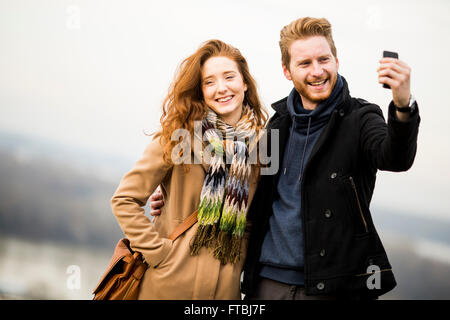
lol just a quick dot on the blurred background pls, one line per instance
(81, 82)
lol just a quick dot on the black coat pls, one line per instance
(340, 239)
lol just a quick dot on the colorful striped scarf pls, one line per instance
(223, 204)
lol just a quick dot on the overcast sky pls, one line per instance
(93, 74)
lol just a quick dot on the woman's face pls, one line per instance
(223, 88)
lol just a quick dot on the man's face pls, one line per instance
(313, 70)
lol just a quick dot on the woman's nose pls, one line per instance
(221, 86)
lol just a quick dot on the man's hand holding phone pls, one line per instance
(395, 74)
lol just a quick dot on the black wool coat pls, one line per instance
(339, 237)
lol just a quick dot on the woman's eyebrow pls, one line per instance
(224, 73)
(208, 77)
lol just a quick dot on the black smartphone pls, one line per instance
(389, 54)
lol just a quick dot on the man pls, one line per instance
(312, 234)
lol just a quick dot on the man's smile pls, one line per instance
(317, 85)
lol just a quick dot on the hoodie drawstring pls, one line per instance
(290, 143)
(304, 149)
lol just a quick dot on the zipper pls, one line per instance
(128, 289)
(359, 203)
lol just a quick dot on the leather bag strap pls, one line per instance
(182, 227)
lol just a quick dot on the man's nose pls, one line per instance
(317, 69)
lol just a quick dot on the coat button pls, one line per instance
(327, 213)
(322, 253)
(341, 112)
(320, 286)
(333, 175)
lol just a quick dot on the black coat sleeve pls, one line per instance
(390, 146)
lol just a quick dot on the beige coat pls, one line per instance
(173, 272)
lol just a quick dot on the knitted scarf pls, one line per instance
(223, 204)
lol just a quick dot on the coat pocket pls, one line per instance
(167, 258)
(355, 206)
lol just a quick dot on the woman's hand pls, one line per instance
(156, 202)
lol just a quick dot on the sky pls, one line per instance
(92, 74)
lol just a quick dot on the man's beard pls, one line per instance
(306, 92)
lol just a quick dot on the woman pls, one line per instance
(213, 88)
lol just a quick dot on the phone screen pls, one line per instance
(389, 54)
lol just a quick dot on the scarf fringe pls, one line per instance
(228, 248)
(205, 237)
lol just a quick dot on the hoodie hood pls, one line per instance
(320, 114)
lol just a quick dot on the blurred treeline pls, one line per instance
(45, 195)
(41, 200)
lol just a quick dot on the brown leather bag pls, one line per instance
(123, 276)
